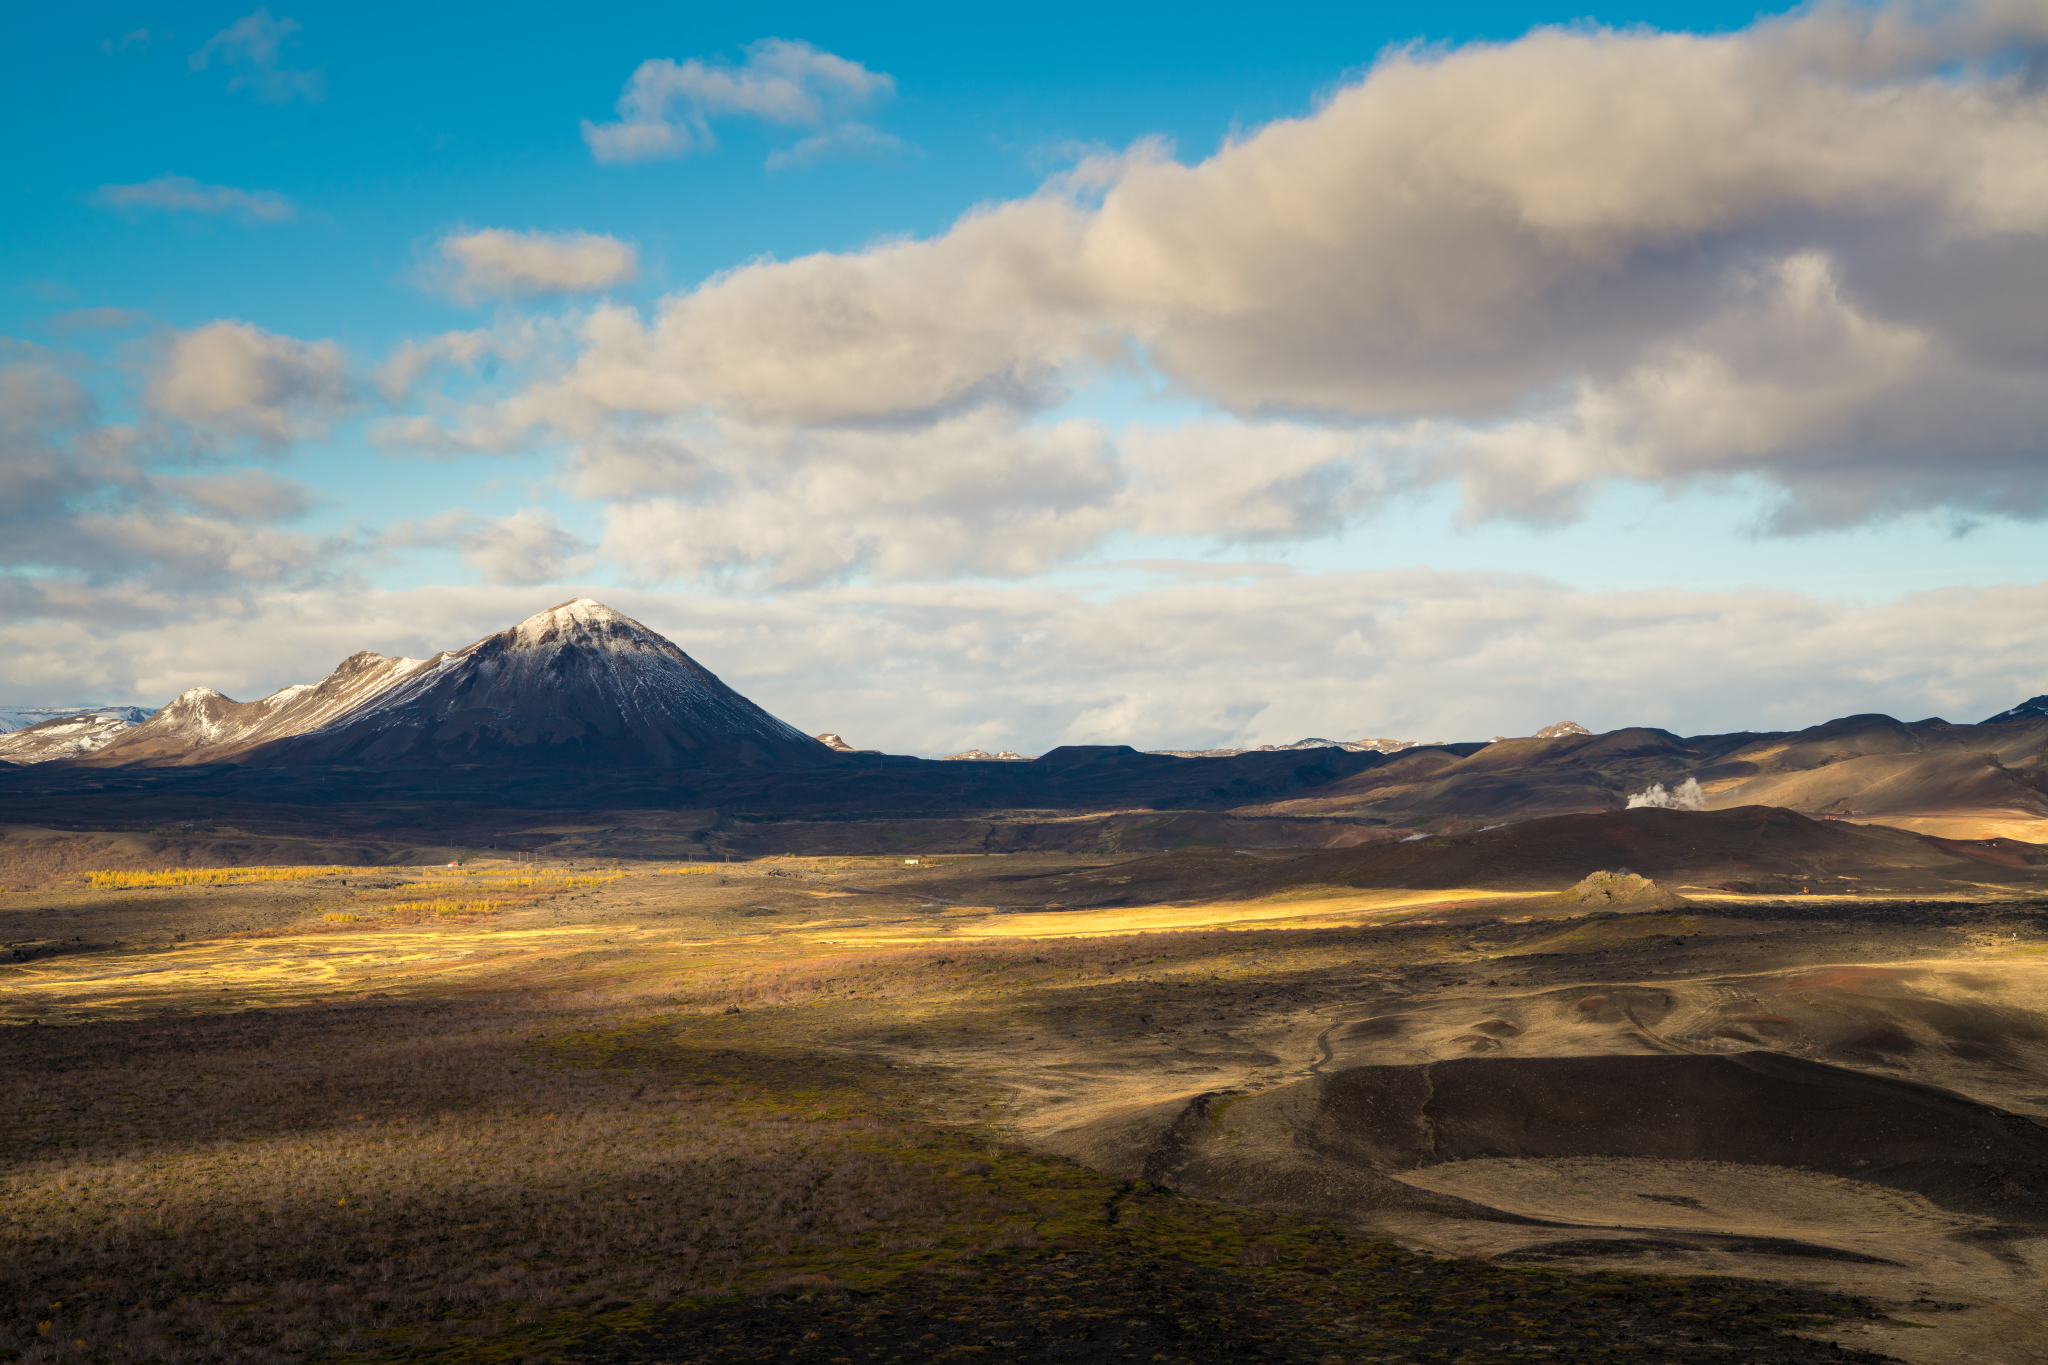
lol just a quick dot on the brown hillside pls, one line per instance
(1518, 778)
(1755, 849)
(1946, 779)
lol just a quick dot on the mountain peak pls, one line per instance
(586, 609)
(583, 620)
(2034, 708)
(576, 685)
(583, 611)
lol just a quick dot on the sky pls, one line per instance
(1172, 376)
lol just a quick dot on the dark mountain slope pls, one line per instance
(1929, 774)
(1516, 779)
(576, 686)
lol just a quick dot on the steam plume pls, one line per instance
(1685, 796)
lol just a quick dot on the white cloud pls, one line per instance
(245, 495)
(195, 553)
(84, 503)
(183, 194)
(515, 339)
(667, 107)
(1243, 483)
(494, 262)
(991, 312)
(980, 493)
(409, 361)
(230, 380)
(1804, 252)
(526, 547)
(251, 47)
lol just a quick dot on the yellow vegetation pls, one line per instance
(559, 883)
(545, 881)
(220, 876)
(446, 907)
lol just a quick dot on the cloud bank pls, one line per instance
(527, 547)
(130, 516)
(1804, 255)
(228, 381)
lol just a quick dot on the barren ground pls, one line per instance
(842, 1109)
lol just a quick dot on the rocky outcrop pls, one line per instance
(1623, 890)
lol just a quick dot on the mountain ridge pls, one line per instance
(69, 734)
(16, 718)
(577, 683)
(582, 689)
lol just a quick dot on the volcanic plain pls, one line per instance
(1440, 1100)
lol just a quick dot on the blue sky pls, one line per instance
(960, 352)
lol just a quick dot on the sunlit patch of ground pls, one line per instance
(274, 970)
(1292, 910)
(1985, 824)
(547, 1103)
(1704, 1196)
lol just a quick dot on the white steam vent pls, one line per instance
(1685, 796)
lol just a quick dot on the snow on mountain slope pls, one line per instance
(202, 726)
(13, 718)
(2034, 708)
(1359, 746)
(576, 685)
(69, 735)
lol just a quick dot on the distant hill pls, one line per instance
(1964, 781)
(1960, 781)
(13, 718)
(54, 734)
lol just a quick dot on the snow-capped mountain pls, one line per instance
(576, 685)
(14, 718)
(1350, 746)
(202, 726)
(67, 734)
